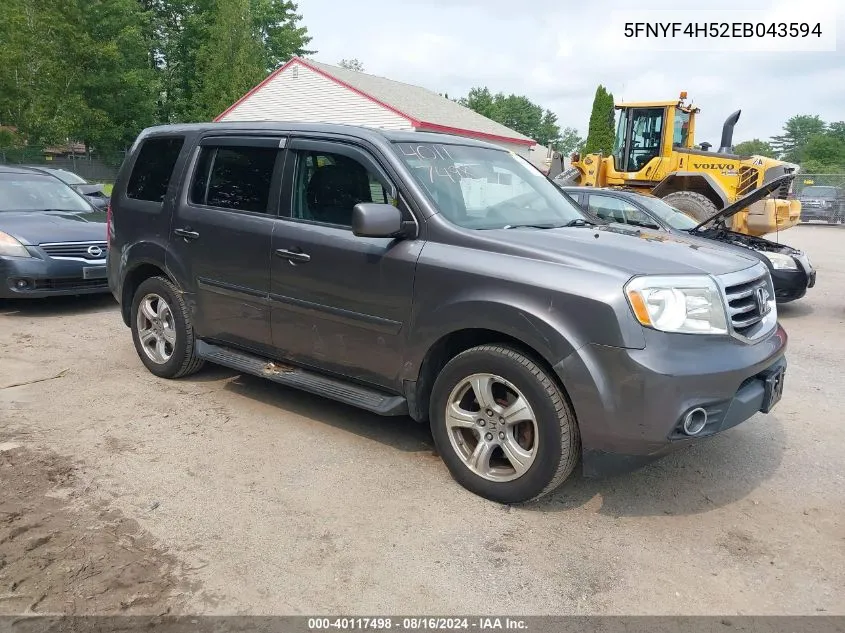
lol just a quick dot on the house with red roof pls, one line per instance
(310, 91)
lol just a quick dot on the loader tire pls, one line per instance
(695, 205)
(569, 178)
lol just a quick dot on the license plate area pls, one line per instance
(94, 272)
(773, 384)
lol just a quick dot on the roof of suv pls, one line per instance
(329, 128)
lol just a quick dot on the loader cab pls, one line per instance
(646, 131)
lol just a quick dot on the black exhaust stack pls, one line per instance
(728, 132)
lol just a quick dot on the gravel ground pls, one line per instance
(228, 494)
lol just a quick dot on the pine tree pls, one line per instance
(600, 134)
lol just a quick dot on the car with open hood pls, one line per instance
(52, 241)
(95, 193)
(443, 278)
(791, 270)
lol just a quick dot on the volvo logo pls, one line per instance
(95, 251)
(761, 296)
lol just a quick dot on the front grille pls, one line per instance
(76, 250)
(747, 180)
(743, 307)
(70, 284)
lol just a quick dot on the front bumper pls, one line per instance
(47, 277)
(790, 285)
(630, 403)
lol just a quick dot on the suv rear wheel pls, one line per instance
(502, 425)
(162, 331)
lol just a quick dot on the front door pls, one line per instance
(340, 303)
(222, 231)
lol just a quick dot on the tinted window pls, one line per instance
(154, 168)
(327, 186)
(234, 177)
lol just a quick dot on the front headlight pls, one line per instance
(781, 261)
(10, 247)
(684, 304)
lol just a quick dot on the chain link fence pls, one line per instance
(93, 167)
(822, 197)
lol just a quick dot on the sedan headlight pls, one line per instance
(10, 247)
(684, 304)
(781, 261)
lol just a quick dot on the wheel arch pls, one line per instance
(450, 344)
(703, 184)
(141, 271)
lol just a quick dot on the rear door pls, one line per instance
(221, 236)
(340, 302)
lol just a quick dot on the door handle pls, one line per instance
(186, 233)
(293, 256)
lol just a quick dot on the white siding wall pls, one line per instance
(312, 98)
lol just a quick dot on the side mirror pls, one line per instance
(370, 219)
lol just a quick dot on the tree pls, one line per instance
(181, 37)
(480, 100)
(796, 132)
(600, 134)
(231, 60)
(825, 150)
(569, 141)
(517, 112)
(754, 147)
(351, 64)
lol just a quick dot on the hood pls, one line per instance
(747, 200)
(630, 250)
(36, 227)
(88, 189)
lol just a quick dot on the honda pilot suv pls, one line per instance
(444, 278)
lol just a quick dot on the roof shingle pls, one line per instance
(418, 103)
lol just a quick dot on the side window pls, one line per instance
(608, 208)
(327, 186)
(153, 168)
(637, 217)
(234, 177)
(618, 210)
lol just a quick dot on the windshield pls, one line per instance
(481, 188)
(819, 192)
(669, 214)
(68, 176)
(25, 192)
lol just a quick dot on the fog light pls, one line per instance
(695, 421)
(21, 284)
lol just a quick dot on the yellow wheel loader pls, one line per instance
(655, 153)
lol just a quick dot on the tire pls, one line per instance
(695, 205)
(546, 433)
(178, 338)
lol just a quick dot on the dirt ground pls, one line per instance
(220, 493)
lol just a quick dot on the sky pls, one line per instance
(556, 53)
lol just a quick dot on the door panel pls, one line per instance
(343, 308)
(223, 227)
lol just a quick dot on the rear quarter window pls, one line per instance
(153, 168)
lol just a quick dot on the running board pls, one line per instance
(290, 376)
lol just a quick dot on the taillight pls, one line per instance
(108, 224)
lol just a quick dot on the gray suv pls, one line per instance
(443, 278)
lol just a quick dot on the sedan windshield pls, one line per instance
(484, 188)
(667, 213)
(25, 192)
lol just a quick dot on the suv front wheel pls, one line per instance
(502, 425)
(162, 331)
